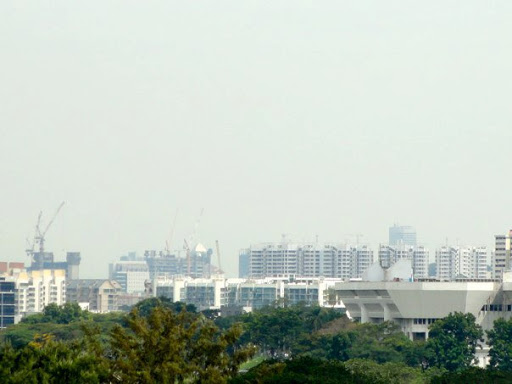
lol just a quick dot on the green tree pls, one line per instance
(453, 341)
(382, 343)
(277, 331)
(170, 347)
(48, 361)
(500, 342)
(146, 306)
(302, 370)
(164, 347)
(396, 373)
(64, 314)
(473, 375)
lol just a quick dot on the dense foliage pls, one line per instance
(165, 342)
(453, 341)
(311, 370)
(500, 341)
(164, 347)
(63, 323)
(170, 347)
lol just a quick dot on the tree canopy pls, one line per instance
(164, 347)
(64, 314)
(169, 347)
(500, 343)
(165, 342)
(453, 341)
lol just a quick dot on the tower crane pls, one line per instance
(357, 236)
(218, 255)
(187, 250)
(191, 241)
(40, 236)
(193, 235)
(171, 236)
(31, 246)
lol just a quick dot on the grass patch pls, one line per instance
(252, 363)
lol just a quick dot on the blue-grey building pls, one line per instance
(7, 302)
(402, 234)
(244, 258)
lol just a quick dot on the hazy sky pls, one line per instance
(324, 118)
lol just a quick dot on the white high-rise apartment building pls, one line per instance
(420, 259)
(480, 256)
(468, 262)
(445, 262)
(308, 259)
(390, 254)
(501, 259)
(36, 289)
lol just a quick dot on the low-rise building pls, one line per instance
(217, 293)
(131, 275)
(99, 295)
(415, 305)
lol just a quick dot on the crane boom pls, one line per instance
(193, 235)
(171, 236)
(41, 235)
(218, 255)
(187, 249)
(53, 219)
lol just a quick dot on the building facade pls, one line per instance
(36, 289)
(98, 295)
(46, 260)
(27, 292)
(131, 275)
(243, 263)
(402, 234)
(7, 302)
(501, 257)
(196, 263)
(308, 260)
(390, 254)
(461, 262)
(218, 293)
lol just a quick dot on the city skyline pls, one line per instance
(231, 269)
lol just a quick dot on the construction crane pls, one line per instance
(168, 242)
(193, 235)
(187, 250)
(191, 241)
(31, 246)
(357, 237)
(40, 235)
(218, 255)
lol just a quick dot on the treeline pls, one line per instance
(165, 342)
(379, 352)
(156, 343)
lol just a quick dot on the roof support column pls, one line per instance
(364, 314)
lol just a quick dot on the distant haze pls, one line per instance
(326, 118)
